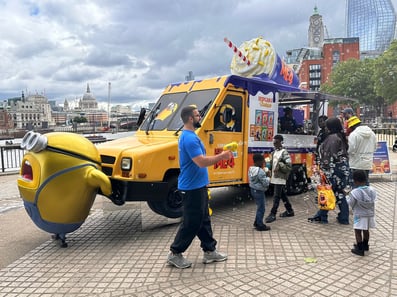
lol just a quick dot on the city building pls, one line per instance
(316, 30)
(295, 57)
(6, 121)
(87, 108)
(373, 22)
(31, 112)
(88, 102)
(314, 63)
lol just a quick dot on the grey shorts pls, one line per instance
(363, 223)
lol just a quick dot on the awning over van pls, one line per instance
(289, 94)
(253, 85)
(309, 97)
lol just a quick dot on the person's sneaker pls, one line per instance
(287, 214)
(214, 256)
(178, 260)
(262, 228)
(314, 219)
(343, 222)
(270, 218)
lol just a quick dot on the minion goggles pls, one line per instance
(35, 142)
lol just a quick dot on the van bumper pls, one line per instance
(123, 191)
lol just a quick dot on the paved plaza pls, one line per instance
(121, 251)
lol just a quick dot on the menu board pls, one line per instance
(381, 160)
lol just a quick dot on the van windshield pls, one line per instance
(166, 112)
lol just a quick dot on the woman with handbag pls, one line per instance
(334, 164)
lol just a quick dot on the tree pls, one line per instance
(385, 74)
(79, 120)
(353, 78)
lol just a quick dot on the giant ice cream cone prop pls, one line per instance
(257, 58)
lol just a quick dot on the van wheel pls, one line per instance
(171, 206)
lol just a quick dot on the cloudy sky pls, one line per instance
(56, 47)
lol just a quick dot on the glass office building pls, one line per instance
(374, 22)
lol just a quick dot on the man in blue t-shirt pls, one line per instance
(192, 183)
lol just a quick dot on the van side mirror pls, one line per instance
(141, 117)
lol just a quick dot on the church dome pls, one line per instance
(88, 96)
(88, 102)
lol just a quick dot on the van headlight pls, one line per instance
(126, 164)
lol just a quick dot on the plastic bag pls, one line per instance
(325, 195)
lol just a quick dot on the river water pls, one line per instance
(108, 136)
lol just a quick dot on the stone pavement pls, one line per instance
(121, 251)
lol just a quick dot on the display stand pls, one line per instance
(381, 161)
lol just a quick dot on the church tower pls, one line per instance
(88, 102)
(316, 30)
(66, 105)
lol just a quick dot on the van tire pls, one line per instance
(171, 205)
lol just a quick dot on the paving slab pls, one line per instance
(121, 251)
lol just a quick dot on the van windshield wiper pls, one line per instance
(202, 113)
(152, 117)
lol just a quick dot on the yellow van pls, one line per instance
(145, 167)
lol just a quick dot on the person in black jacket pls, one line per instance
(334, 162)
(322, 134)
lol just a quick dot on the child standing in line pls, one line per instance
(258, 183)
(362, 201)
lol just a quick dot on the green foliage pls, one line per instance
(372, 81)
(385, 74)
(352, 78)
(79, 120)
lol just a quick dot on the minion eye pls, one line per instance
(34, 142)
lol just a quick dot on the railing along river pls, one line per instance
(12, 154)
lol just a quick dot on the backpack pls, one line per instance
(297, 180)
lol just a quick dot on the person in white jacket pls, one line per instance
(362, 145)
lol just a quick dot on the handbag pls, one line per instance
(325, 195)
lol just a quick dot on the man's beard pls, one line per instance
(196, 125)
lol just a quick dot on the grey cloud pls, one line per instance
(38, 47)
(141, 46)
(107, 58)
(76, 74)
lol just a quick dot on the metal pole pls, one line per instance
(109, 86)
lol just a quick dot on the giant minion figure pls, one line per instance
(59, 178)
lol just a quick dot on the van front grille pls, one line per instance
(107, 159)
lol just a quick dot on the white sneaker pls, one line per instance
(214, 256)
(178, 261)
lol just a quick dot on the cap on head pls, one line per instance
(353, 121)
(348, 110)
(279, 137)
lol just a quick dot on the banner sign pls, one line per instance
(381, 161)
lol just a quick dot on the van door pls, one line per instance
(226, 125)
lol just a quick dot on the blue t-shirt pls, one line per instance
(191, 176)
